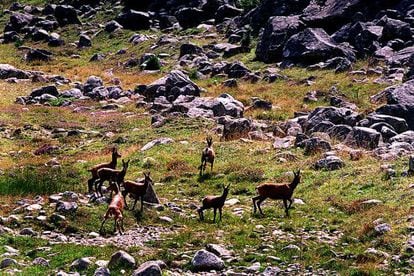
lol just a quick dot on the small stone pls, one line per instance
(102, 271)
(206, 261)
(40, 261)
(292, 247)
(28, 232)
(232, 201)
(382, 228)
(123, 259)
(148, 269)
(7, 262)
(166, 219)
(81, 264)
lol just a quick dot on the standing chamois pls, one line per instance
(137, 190)
(207, 156)
(282, 191)
(110, 165)
(115, 209)
(215, 202)
(107, 174)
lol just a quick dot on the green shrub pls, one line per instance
(247, 5)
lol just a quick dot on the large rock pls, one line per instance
(329, 163)
(91, 83)
(206, 261)
(17, 21)
(235, 128)
(134, 20)
(51, 90)
(394, 28)
(258, 17)
(274, 36)
(398, 124)
(38, 55)
(314, 145)
(66, 207)
(223, 105)
(176, 83)
(331, 114)
(364, 137)
(66, 15)
(8, 71)
(314, 45)
(189, 17)
(398, 94)
(226, 11)
(407, 137)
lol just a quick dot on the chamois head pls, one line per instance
(226, 190)
(296, 178)
(115, 153)
(148, 179)
(125, 165)
(209, 140)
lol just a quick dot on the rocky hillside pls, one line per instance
(322, 86)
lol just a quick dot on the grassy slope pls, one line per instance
(331, 197)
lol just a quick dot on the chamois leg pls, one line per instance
(99, 188)
(135, 203)
(254, 199)
(142, 204)
(115, 224)
(211, 167)
(286, 207)
(200, 213)
(102, 225)
(290, 202)
(96, 182)
(90, 184)
(124, 194)
(220, 211)
(215, 211)
(261, 199)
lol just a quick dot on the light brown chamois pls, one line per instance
(137, 190)
(207, 156)
(107, 174)
(282, 191)
(215, 202)
(115, 209)
(110, 165)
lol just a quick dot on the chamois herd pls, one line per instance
(137, 190)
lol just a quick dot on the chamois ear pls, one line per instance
(148, 174)
(228, 186)
(144, 174)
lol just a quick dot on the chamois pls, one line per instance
(207, 156)
(110, 165)
(115, 209)
(215, 202)
(107, 174)
(282, 191)
(137, 190)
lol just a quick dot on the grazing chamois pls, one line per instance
(137, 190)
(107, 174)
(115, 209)
(207, 156)
(282, 191)
(215, 202)
(110, 165)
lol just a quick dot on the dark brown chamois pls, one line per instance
(115, 209)
(207, 156)
(282, 191)
(110, 165)
(137, 190)
(215, 202)
(107, 174)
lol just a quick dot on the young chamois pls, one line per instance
(282, 191)
(137, 190)
(110, 165)
(215, 202)
(207, 156)
(115, 209)
(107, 174)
